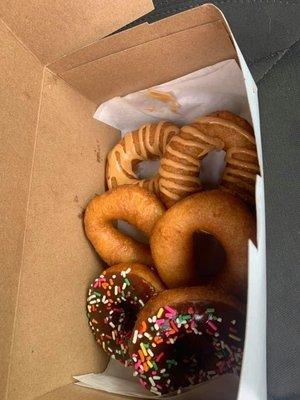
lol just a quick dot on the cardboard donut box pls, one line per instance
(58, 62)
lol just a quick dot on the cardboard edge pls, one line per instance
(134, 36)
(47, 53)
(61, 75)
(142, 11)
(253, 381)
(12, 341)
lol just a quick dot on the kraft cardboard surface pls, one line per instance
(20, 85)
(52, 29)
(73, 392)
(53, 156)
(52, 339)
(152, 63)
(135, 36)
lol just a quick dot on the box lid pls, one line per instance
(52, 29)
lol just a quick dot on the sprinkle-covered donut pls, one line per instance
(217, 213)
(183, 337)
(114, 299)
(181, 163)
(146, 143)
(129, 203)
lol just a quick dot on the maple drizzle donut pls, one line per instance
(129, 203)
(146, 143)
(180, 166)
(113, 301)
(236, 119)
(241, 158)
(183, 337)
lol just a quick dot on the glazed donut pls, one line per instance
(236, 119)
(146, 143)
(113, 302)
(218, 213)
(181, 163)
(183, 337)
(241, 157)
(133, 204)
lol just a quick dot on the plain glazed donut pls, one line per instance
(183, 337)
(181, 163)
(216, 212)
(146, 143)
(133, 204)
(114, 299)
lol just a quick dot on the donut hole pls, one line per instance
(209, 254)
(132, 231)
(147, 169)
(212, 168)
(191, 354)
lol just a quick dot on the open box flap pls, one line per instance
(52, 29)
(137, 35)
(153, 62)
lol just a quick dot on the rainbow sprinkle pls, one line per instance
(109, 299)
(161, 370)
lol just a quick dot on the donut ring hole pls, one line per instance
(212, 169)
(191, 353)
(128, 316)
(131, 231)
(209, 254)
(147, 169)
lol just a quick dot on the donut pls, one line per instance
(224, 216)
(133, 204)
(187, 336)
(113, 301)
(181, 163)
(236, 119)
(241, 156)
(146, 143)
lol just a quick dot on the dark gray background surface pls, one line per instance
(268, 33)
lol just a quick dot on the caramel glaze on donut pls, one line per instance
(218, 213)
(241, 156)
(186, 336)
(180, 166)
(236, 119)
(133, 204)
(114, 299)
(146, 143)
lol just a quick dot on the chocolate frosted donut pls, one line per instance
(217, 213)
(113, 302)
(146, 143)
(133, 204)
(183, 337)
